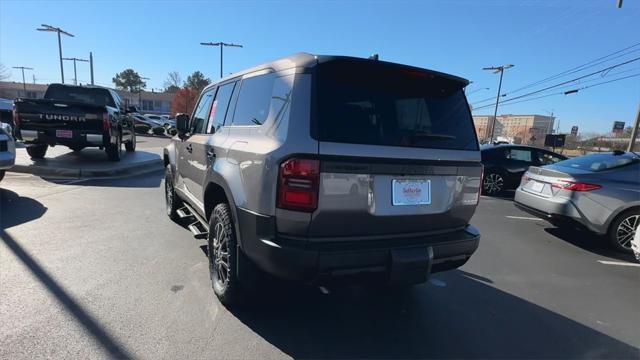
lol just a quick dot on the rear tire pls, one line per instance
(113, 150)
(37, 151)
(172, 201)
(130, 145)
(493, 183)
(223, 255)
(623, 229)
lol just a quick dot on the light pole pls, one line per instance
(222, 45)
(75, 72)
(50, 28)
(24, 84)
(497, 69)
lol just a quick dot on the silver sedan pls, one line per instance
(599, 191)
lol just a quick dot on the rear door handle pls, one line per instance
(189, 148)
(211, 154)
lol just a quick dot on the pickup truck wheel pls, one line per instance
(130, 145)
(172, 201)
(113, 150)
(223, 255)
(37, 151)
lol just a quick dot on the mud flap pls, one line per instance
(410, 266)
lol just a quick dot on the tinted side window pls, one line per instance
(519, 154)
(201, 112)
(254, 100)
(219, 108)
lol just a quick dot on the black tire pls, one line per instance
(172, 201)
(113, 150)
(222, 269)
(37, 151)
(493, 183)
(130, 145)
(76, 148)
(623, 229)
(2, 174)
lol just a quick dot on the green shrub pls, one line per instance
(142, 128)
(173, 131)
(158, 130)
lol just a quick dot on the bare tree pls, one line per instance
(4, 72)
(173, 82)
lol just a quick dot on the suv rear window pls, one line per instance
(93, 96)
(385, 104)
(599, 162)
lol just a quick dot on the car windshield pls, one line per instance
(374, 104)
(93, 96)
(599, 162)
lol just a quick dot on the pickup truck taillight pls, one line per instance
(105, 122)
(298, 182)
(16, 117)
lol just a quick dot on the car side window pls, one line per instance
(254, 100)
(201, 112)
(546, 158)
(519, 155)
(219, 107)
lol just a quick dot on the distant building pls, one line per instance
(524, 129)
(147, 102)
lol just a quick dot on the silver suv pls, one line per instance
(327, 168)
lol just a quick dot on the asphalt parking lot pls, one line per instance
(94, 269)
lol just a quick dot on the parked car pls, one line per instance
(6, 112)
(253, 164)
(77, 117)
(7, 149)
(600, 192)
(141, 119)
(161, 120)
(504, 165)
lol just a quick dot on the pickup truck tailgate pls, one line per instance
(43, 114)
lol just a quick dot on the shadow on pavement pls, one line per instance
(147, 180)
(464, 318)
(91, 325)
(589, 241)
(16, 209)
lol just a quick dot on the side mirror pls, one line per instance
(182, 124)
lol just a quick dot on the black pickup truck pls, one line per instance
(77, 117)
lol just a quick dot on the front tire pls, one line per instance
(493, 183)
(172, 201)
(130, 145)
(223, 255)
(623, 230)
(37, 151)
(113, 150)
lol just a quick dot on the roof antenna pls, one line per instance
(373, 57)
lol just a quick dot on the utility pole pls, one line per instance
(497, 69)
(50, 28)
(75, 72)
(24, 84)
(634, 131)
(91, 66)
(222, 45)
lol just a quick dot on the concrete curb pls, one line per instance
(130, 169)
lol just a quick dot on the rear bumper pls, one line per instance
(552, 209)
(80, 137)
(401, 260)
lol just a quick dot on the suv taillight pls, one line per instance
(105, 122)
(16, 117)
(576, 186)
(298, 181)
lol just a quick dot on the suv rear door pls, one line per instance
(398, 151)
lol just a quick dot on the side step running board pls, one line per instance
(199, 227)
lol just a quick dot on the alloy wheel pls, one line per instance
(627, 230)
(219, 257)
(493, 183)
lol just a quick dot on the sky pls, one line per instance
(540, 38)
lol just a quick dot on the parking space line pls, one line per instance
(522, 218)
(618, 263)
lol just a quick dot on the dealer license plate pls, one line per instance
(411, 192)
